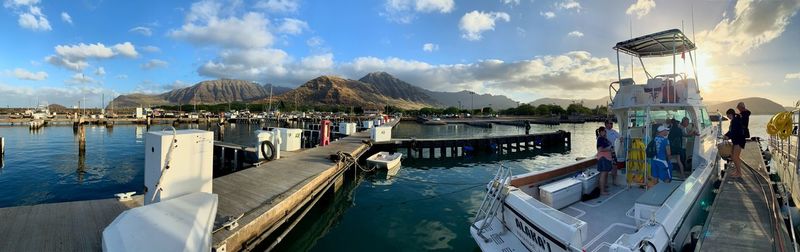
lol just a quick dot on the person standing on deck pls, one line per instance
(661, 167)
(676, 145)
(745, 114)
(689, 132)
(612, 135)
(603, 158)
(736, 135)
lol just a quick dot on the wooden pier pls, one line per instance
(457, 147)
(745, 215)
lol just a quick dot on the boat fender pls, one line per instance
(264, 146)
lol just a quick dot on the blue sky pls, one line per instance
(61, 51)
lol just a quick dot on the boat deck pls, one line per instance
(607, 217)
(741, 218)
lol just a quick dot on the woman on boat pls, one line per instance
(736, 134)
(603, 158)
(661, 168)
(689, 132)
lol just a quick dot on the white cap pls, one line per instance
(662, 128)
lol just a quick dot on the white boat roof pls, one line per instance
(664, 43)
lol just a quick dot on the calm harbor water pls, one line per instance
(428, 205)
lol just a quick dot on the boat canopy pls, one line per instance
(658, 44)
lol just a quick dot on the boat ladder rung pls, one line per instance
(491, 203)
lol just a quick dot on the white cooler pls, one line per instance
(589, 180)
(561, 193)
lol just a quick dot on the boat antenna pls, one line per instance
(630, 22)
(697, 49)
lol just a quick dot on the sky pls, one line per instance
(63, 51)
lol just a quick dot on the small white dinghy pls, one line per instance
(386, 160)
(179, 224)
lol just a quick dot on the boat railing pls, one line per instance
(659, 90)
(788, 149)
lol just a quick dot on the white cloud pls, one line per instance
(126, 49)
(474, 23)
(568, 5)
(510, 2)
(292, 26)
(19, 3)
(76, 65)
(79, 78)
(121, 76)
(641, 8)
(100, 71)
(250, 31)
(749, 27)
(66, 18)
(250, 64)
(795, 76)
(34, 20)
(83, 51)
(23, 74)
(544, 75)
(315, 42)
(430, 47)
(278, 5)
(575, 34)
(20, 95)
(318, 62)
(404, 11)
(548, 14)
(74, 57)
(142, 30)
(154, 63)
(151, 49)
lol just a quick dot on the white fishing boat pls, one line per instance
(543, 211)
(385, 161)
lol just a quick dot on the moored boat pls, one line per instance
(544, 211)
(385, 161)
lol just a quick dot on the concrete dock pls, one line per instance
(743, 215)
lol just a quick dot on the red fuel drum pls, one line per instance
(325, 132)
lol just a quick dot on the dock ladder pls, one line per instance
(496, 194)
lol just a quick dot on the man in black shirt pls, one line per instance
(745, 113)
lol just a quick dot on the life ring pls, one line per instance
(271, 146)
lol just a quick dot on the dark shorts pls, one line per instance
(739, 142)
(603, 165)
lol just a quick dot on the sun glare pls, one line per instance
(706, 72)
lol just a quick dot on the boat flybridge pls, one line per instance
(553, 210)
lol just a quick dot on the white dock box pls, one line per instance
(290, 139)
(367, 124)
(347, 128)
(588, 180)
(190, 163)
(561, 193)
(381, 134)
(273, 137)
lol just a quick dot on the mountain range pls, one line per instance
(756, 105)
(373, 90)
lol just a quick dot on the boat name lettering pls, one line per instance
(537, 239)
